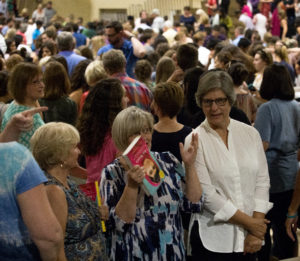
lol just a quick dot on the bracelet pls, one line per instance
(293, 216)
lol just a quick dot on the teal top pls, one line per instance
(25, 136)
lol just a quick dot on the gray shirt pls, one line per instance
(278, 123)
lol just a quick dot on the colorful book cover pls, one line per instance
(138, 153)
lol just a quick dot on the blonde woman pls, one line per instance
(54, 147)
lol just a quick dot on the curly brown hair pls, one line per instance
(101, 107)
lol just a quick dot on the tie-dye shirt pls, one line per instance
(157, 232)
(19, 173)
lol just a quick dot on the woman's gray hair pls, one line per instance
(129, 122)
(51, 143)
(213, 80)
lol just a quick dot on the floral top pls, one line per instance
(83, 237)
(157, 232)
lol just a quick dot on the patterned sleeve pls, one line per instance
(111, 187)
(186, 205)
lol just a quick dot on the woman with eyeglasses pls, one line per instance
(232, 169)
(26, 86)
(146, 227)
(278, 122)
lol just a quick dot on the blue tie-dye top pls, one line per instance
(157, 232)
(18, 173)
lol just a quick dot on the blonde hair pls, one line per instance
(51, 143)
(94, 72)
(122, 131)
(97, 42)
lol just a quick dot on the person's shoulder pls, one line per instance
(186, 130)
(165, 157)
(13, 148)
(105, 48)
(242, 128)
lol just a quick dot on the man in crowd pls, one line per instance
(49, 12)
(114, 63)
(131, 47)
(65, 44)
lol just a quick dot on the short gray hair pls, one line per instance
(65, 41)
(114, 61)
(129, 122)
(51, 143)
(213, 80)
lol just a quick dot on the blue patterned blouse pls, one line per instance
(157, 232)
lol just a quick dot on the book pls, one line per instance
(138, 153)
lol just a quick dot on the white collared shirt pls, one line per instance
(232, 178)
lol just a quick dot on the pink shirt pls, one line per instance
(95, 163)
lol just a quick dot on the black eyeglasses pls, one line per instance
(218, 101)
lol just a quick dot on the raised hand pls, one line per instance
(189, 156)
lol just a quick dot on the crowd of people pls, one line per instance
(216, 100)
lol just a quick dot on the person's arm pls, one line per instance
(41, 222)
(284, 28)
(193, 188)
(138, 48)
(126, 206)
(58, 202)
(255, 225)
(22, 121)
(292, 219)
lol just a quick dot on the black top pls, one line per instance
(63, 110)
(169, 141)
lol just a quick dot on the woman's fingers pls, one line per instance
(31, 112)
(137, 174)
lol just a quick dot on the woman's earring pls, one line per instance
(62, 165)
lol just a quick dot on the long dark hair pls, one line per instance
(77, 78)
(101, 107)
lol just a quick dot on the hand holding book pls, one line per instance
(135, 176)
(138, 155)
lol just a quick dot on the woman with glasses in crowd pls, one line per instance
(233, 172)
(146, 227)
(25, 86)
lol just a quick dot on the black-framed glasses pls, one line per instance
(218, 101)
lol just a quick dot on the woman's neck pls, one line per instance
(30, 103)
(167, 124)
(222, 132)
(60, 174)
